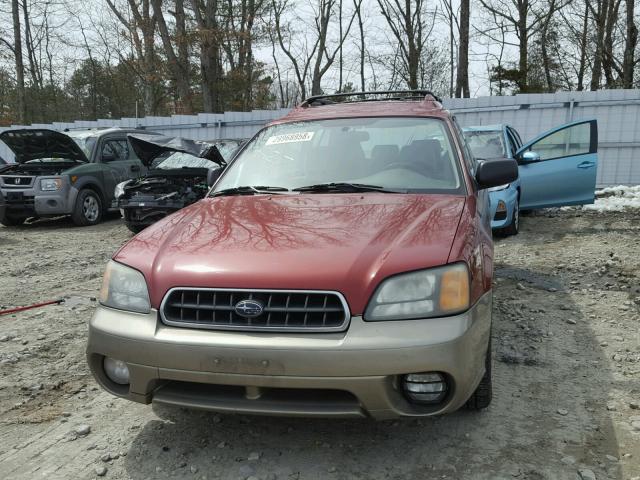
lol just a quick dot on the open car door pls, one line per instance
(559, 167)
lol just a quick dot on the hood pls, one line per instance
(149, 147)
(33, 144)
(341, 242)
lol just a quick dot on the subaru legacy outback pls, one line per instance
(341, 265)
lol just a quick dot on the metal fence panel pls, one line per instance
(617, 112)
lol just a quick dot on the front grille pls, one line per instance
(15, 181)
(291, 311)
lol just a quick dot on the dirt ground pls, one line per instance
(566, 404)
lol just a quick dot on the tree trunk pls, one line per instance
(358, 6)
(608, 50)
(17, 49)
(462, 75)
(178, 69)
(523, 47)
(629, 46)
(601, 19)
(583, 48)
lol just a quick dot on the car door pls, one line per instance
(559, 167)
(121, 163)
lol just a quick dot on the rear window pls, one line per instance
(401, 153)
(486, 145)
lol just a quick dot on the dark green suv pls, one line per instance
(71, 173)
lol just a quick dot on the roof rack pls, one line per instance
(389, 95)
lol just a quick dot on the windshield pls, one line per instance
(172, 160)
(404, 154)
(228, 148)
(486, 144)
(86, 140)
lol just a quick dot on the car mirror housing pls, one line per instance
(212, 175)
(496, 172)
(530, 157)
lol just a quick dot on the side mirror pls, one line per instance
(212, 175)
(493, 173)
(530, 157)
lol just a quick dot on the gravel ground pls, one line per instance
(566, 370)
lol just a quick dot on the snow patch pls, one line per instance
(616, 199)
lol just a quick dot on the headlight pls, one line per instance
(426, 293)
(124, 288)
(499, 187)
(119, 190)
(50, 184)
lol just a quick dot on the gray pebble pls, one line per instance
(586, 474)
(254, 456)
(101, 471)
(83, 430)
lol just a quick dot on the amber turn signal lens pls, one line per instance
(454, 290)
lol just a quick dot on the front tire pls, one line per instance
(514, 226)
(12, 221)
(481, 398)
(88, 209)
(135, 228)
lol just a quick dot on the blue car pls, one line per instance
(557, 168)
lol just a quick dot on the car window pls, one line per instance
(85, 140)
(486, 144)
(404, 153)
(469, 156)
(115, 149)
(513, 143)
(574, 140)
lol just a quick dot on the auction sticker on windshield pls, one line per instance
(290, 138)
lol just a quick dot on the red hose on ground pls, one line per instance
(29, 307)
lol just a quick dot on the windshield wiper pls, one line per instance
(343, 187)
(249, 190)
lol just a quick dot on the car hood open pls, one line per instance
(341, 242)
(149, 147)
(33, 144)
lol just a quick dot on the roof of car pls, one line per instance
(96, 132)
(427, 107)
(485, 128)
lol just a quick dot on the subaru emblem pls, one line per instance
(249, 308)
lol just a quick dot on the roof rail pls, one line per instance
(388, 95)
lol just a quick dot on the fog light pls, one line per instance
(502, 207)
(116, 370)
(426, 388)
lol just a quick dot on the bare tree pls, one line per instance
(17, 52)
(357, 5)
(630, 46)
(313, 59)
(141, 32)
(407, 22)
(178, 58)
(462, 75)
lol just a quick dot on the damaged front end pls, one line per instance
(177, 177)
(146, 200)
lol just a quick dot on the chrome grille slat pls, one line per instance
(291, 311)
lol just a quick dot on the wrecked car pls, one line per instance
(557, 168)
(177, 176)
(70, 173)
(340, 266)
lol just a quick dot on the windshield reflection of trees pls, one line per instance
(270, 223)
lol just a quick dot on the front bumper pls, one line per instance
(354, 373)
(143, 214)
(509, 197)
(34, 202)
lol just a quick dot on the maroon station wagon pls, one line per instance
(341, 265)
